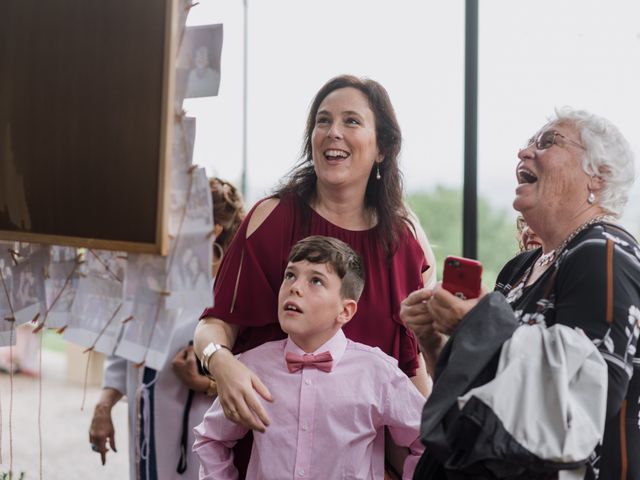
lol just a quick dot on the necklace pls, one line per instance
(547, 258)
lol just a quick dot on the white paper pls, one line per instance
(199, 61)
(60, 286)
(98, 308)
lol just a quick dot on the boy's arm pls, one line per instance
(402, 412)
(214, 441)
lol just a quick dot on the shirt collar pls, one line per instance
(336, 345)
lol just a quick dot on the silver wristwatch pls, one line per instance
(207, 353)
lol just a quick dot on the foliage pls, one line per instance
(10, 476)
(440, 213)
(52, 340)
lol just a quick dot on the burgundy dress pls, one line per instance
(247, 284)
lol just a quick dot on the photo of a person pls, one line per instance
(199, 62)
(203, 81)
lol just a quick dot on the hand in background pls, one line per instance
(447, 310)
(101, 430)
(414, 312)
(185, 366)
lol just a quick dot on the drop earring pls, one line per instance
(591, 198)
(378, 176)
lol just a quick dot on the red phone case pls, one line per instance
(462, 276)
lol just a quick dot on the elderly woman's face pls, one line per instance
(551, 180)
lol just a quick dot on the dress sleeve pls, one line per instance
(597, 290)
(246, 287)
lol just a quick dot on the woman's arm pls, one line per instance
(237, 385)
(422, 380)
(429, 277)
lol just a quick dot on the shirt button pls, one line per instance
(307, 382)
(305, 427)
(301, 473)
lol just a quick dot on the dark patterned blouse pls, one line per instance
(593, 285)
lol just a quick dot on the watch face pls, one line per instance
(209, 349)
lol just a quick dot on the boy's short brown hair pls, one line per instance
(346, 263)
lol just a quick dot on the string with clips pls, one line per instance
(78, 260)
(12, 320)
(175, 239)
(89, 350)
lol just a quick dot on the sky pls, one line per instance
(533, 57)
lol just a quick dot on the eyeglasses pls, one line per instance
(547, 138)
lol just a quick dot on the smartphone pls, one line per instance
(462, 277)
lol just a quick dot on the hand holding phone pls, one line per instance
(462, 277)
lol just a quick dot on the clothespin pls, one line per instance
(14, 256)
(87, 350)
(128, 319)
(61, 330)
(180, 114)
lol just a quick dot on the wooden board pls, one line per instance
(86, 114)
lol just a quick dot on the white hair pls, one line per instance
(607, 155)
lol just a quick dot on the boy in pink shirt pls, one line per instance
(332, 397)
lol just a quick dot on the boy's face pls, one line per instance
(310, 307)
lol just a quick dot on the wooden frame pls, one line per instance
(86, 121)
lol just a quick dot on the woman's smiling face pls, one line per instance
(344, 139)
(551, 181)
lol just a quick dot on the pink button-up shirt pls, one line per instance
(324, 425)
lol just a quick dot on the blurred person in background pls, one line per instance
(180, 394)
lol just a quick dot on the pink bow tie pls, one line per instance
(322, 361)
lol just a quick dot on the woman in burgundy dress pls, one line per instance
(347, 185)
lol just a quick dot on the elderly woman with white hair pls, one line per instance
(573, 179)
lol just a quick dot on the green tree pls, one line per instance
(440, 213)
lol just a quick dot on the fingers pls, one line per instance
(417, 297)
(239, 391)
(112, 442)
(241, 411)
(98, 445)
(100, 431)
(252, 415)
(261, 388)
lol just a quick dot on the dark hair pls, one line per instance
(346, 263)
(383, 196)
(228, 209)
